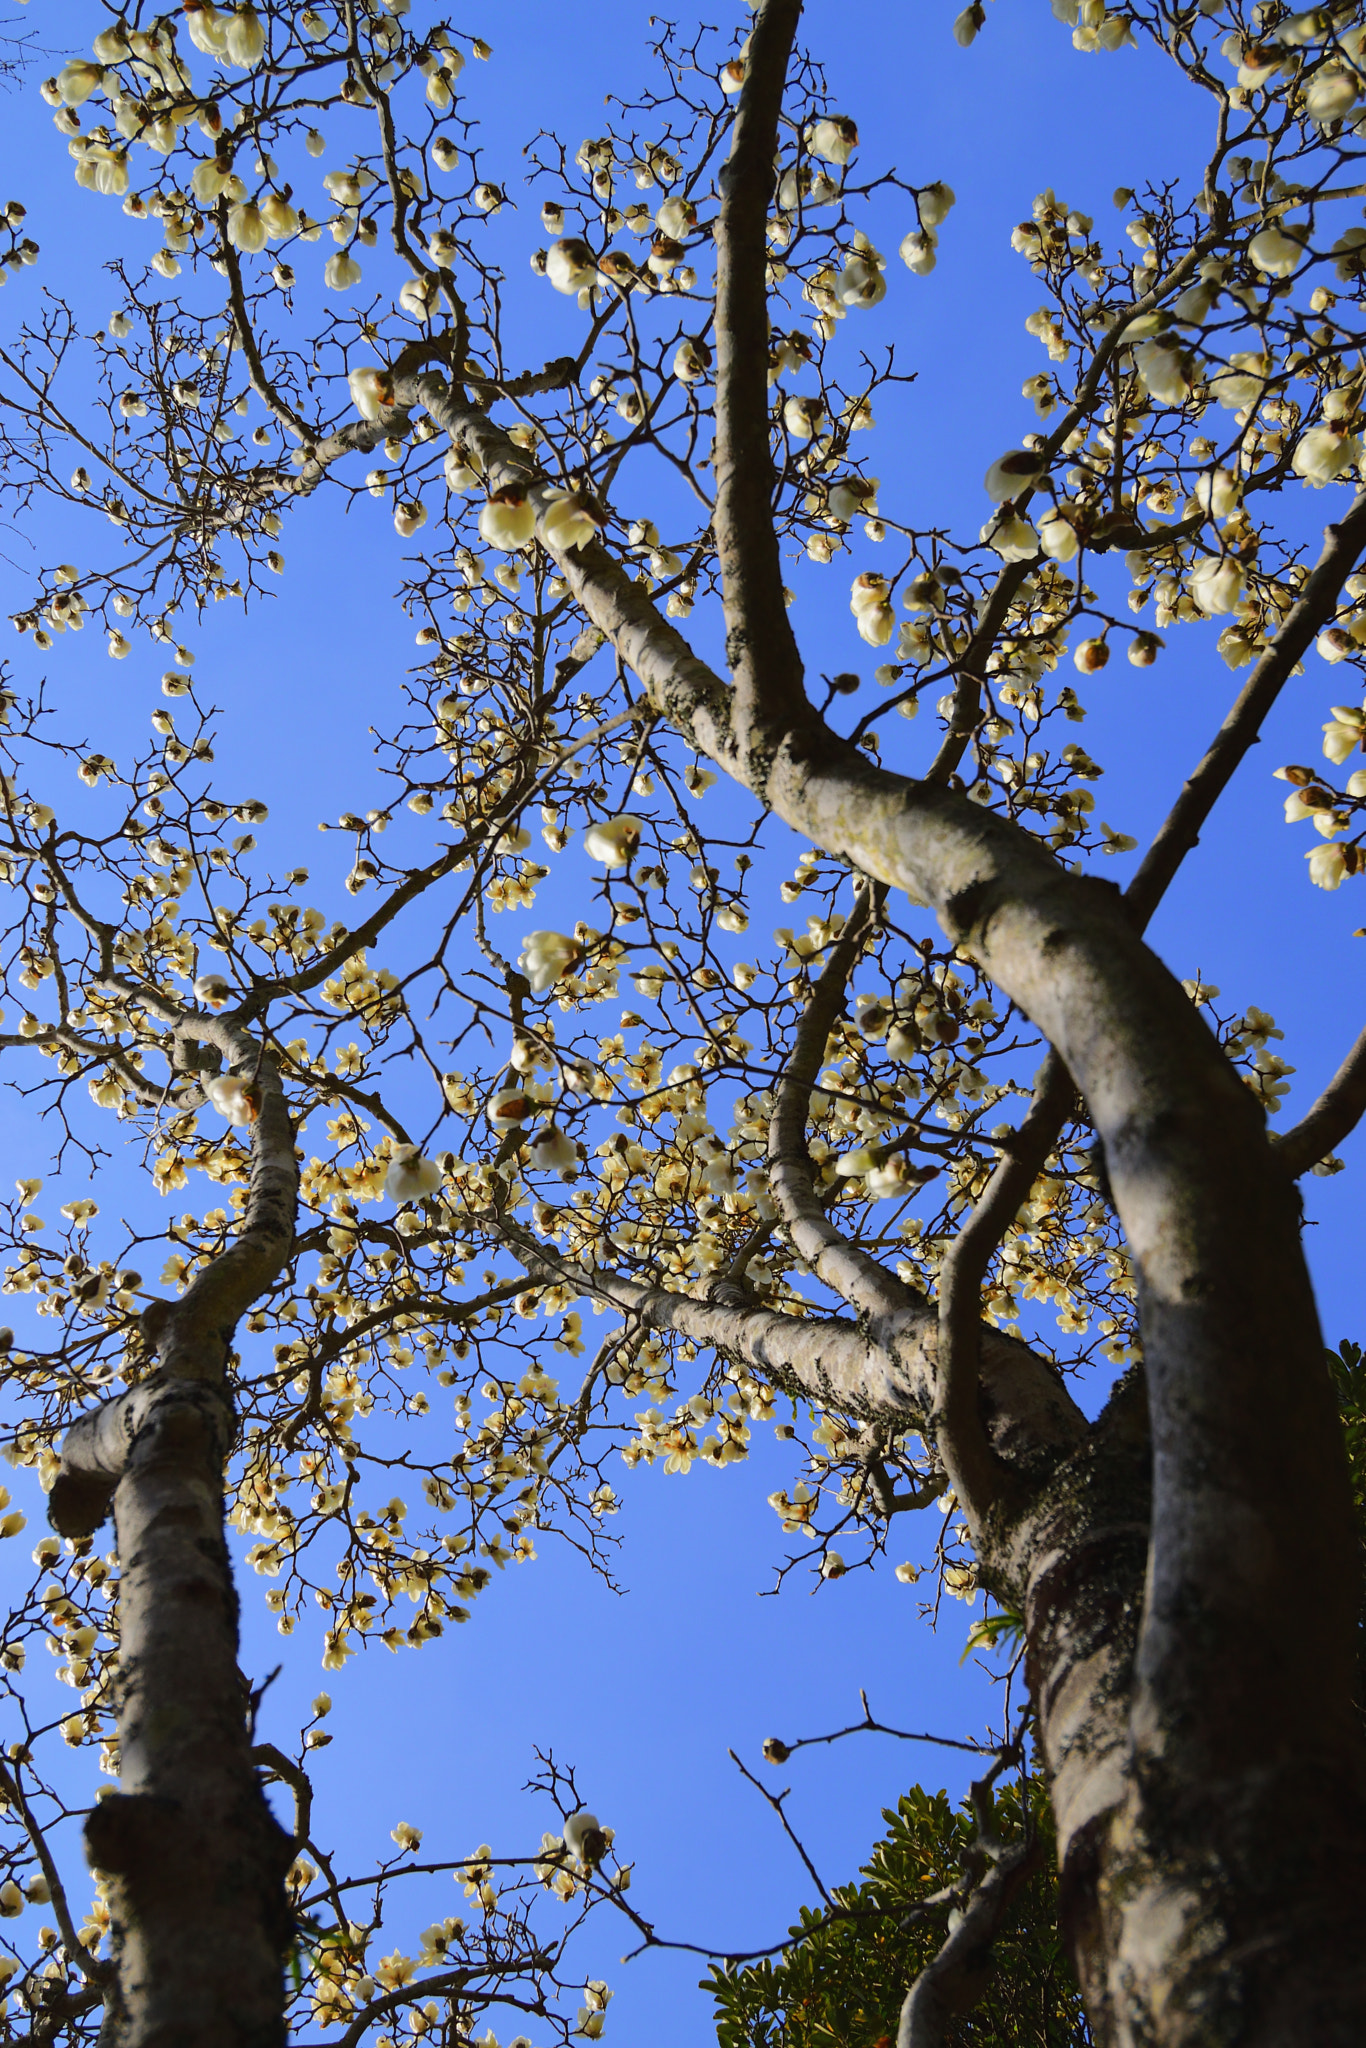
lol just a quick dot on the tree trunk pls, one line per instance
(200, 1920)
(197, 1857)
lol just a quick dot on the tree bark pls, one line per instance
(201, 1924)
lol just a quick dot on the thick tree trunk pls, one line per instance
(1206, 1900)
(197, 1857)
(201, 1924)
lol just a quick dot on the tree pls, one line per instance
(1184, 1566)
(844, 1979)
(853, 1956)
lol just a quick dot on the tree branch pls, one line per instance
(856, 1277)
(881, 1369)
(1328, 1121)
(279, 1765)
(760, 645)
(979, 1476)
(1318, 601)
(953, 1983)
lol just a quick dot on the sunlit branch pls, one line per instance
(1318, 601)
(760, 647)
(860, 1280)
(1335, 1115)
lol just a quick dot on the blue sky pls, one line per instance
(645, 1691)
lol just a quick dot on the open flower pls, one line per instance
(613, 840)
(802, 417)
(372, 389)
(1331, 93)
(918, 252)
(835, 137)
(570, 521)
(511, 1106)
(895, 1176)
(246, 229)
(1327, 865)
(410, 1176)
(508, 520)
(1216, 584)
(279, 216)
(77, 80)
(546, 956)
(692, 361)
(234, 1097)
(1243, 383)
(677, 217)
(584, 1839)
(851, 496)
(1218, 492)
(419, 297)
(1013, 538)
(1167, 373)
(570, 265)
(550, 1151)
(1058, 535)
(213, 990)
(1324, 453)
(1345, 732)
(1019, 469)
(871, 606)
(861, 282)
(1275, 252)
(208, 29)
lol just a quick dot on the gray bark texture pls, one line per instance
(201, 1924)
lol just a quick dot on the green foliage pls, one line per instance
(1348, 1366)
(841, 1984)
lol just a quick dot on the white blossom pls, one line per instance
(613, 840)
(546, 956)
(1275, 252)
(235, 1097)
(550, 1151)
(410, 1176)
(1323, 454)
(569, 521)
(1216, 584)
(570, 265)
(245, 38)
(1166, 371)
(508, 519)
(918, 252)
(1017, 470)
(834, 136)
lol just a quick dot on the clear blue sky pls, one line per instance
(645, 1692)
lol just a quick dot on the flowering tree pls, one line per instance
(729, 1166)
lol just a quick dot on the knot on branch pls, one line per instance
(729, 1293)
(169, 1418)
(126, 1831)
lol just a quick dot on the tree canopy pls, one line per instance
(947, 1176)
